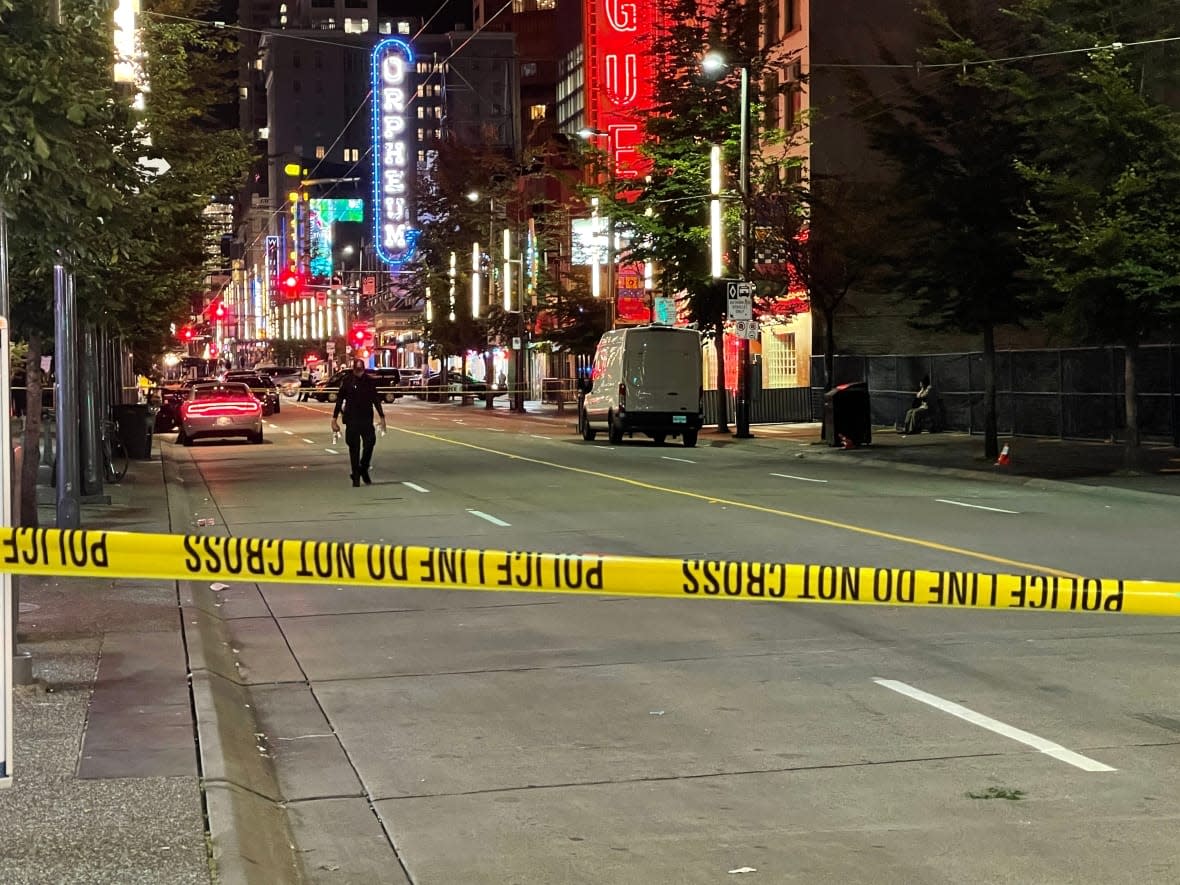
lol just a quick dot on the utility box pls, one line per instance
(847, 415)
(135, 429)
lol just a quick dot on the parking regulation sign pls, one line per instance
(739, 300)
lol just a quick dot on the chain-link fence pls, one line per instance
(1074, 393)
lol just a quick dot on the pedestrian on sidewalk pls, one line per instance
(357, 398)
(920, 408)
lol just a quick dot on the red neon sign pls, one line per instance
(620, 77)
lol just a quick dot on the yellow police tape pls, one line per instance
(102, 554)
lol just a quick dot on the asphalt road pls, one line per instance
(443, 737)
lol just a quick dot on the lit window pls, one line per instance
(528, 69)
(320, 152)
(258, 64)
(264, 133)
(537, 112)
(403, 27)
(385, 28)
(243, 92)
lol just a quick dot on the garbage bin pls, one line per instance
(135, 429)
(846, 414)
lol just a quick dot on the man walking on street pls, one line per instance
(357, 399)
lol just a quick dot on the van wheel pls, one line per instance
(659, 438)
(588, 432)
(613, 431)
(332, 397)
(690, 438)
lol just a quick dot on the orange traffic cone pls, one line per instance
(1004, 460)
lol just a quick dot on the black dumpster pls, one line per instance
(847, 415)
(135, 429)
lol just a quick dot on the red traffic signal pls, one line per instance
(358, 336)
(187, 334)
(291, 284)
(219, 311)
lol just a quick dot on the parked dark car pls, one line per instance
(286, 378)
(326, 390)
(262, 386)
(439, 386)
(168, 403)
(389, 382)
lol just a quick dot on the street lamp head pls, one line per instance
(347, 250)
(714, 63)
(473, 196)
(587, 133)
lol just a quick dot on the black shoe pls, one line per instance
(355, 481)
(365, 477)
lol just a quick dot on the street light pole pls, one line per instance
(742, 419)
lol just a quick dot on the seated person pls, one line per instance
(919, 413)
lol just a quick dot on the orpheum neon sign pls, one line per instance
(620, 77)
(393, 152)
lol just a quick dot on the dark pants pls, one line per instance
(356, 435)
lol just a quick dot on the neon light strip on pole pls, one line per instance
(715, 242)
(507, 270)
(475, 293)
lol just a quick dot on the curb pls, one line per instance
(250, 836)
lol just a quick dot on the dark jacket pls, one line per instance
(357, 399)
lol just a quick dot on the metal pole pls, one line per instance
(90, 416)
(66, 399)
(742, 418)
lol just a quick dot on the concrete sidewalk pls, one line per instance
(106, 787)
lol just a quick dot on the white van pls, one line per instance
(646, 379)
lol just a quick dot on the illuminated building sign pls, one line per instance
(394, 152)
(272, 265)
(620, 77)
(323, 213)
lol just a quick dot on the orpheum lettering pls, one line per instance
(393, 153)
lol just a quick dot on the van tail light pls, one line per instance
(622, 395)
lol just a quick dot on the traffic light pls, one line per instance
(187, 334)
(291, 284)
(357, 336)
(219, 311)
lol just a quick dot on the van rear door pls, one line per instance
(663, 370)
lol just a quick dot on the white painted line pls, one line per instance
(495, 429)
(415, 487)
(976, 506)
(289, 432)
(538, 436)
(800, 478)
(272, 424)
(488, 517)
(332, 451)
(310, 442)
(681, 460)
(1037, 743)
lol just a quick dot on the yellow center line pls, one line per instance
(757, 508)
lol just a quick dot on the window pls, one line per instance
(537, 112)
(323, 4)
(352, 155)
(264, 133)
(296, 61)
(386, 28)
(773, 23)
(528, 69)
(782, 359)
(791, 16)
(243, 92)
(356, 4)
(772, 101)
(258, 64)
(320, 152)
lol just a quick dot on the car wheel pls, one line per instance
(389, 397)
(184, 439)
(256, 438)
(659, 438)
(588, 432)
(690, 438)
(613, 431)
(331, 398)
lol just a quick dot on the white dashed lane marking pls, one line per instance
(415, 487)
(976, 506)
(493, 520)
(800, 478)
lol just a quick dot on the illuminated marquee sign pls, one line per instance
(620, 73)
(272, 265)
(393, 151)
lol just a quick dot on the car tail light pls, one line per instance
(221, 408)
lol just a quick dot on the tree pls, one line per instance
(951, 137)
(1104, 216)
(827, 235)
